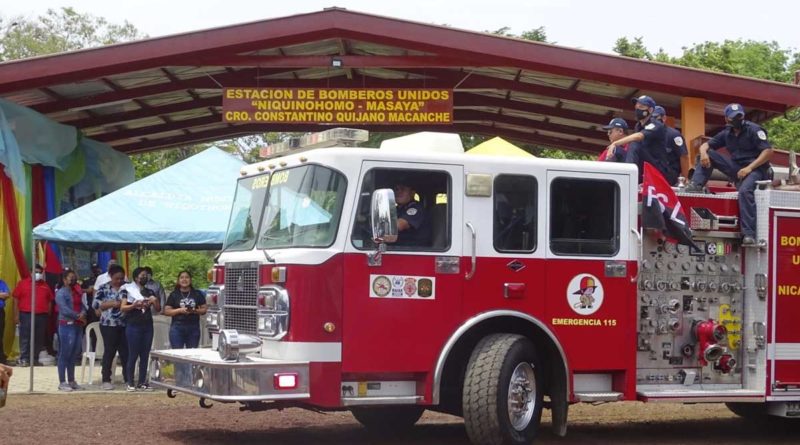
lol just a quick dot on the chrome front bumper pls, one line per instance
(202, 373)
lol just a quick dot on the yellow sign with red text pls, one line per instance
(369, 106)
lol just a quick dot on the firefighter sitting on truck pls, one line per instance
(616, 130)
(749, 162)
(647, 144)
(413, 226)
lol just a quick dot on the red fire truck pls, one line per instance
(536, 289)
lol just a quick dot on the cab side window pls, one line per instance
(422, 198)
(584, 217)
(514, 213)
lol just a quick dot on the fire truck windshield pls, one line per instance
(246, 212)
(303, 208)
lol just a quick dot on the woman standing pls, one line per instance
(108, 301)
(185, 305)
(71, 318)
(138, 302)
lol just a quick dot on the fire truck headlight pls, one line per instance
(272, 325)
(213, 319)
(213, 295)
(272, 317)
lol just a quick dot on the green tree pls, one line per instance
(59, 30)
(764, 60)
(167, 264)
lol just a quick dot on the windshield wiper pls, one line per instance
(228, 246)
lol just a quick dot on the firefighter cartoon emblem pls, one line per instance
(585, 294)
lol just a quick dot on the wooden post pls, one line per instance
(693, 123)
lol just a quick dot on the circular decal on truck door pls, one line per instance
(585, 294)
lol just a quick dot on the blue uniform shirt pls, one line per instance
(745, 147)
(4, 288)
(653, 144)
(419, 234)
(676, 147)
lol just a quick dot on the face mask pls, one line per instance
(736, 123)
(143, 281)
(37, 276)
(641, 114)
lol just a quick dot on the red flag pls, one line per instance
(661, 209)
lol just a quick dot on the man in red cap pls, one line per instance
(616, 130)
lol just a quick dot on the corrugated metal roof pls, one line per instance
(166, 91)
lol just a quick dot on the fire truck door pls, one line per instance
(397, 314)
(591, 301)
(784, 337)
(508, 226)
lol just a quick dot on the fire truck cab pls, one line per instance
(532, 286)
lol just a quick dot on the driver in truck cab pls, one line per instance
(413, 225)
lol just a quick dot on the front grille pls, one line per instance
(241, 319)
(241, 296)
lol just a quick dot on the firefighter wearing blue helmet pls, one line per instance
(677, 154)
(647, 143)
(750, 153)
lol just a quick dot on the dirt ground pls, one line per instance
(154, 419)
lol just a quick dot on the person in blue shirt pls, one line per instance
(413, 226)
(647, 142)
(71, 319)
(677, 154)
(750, 153)
(5, 292)
(616, 130)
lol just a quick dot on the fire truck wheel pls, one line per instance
(388, 419)
(751, 411)
(502, 400)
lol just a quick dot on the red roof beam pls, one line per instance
(465, 80)
(127, 116)
(155, 129)
(150, 90)
(239, 78)
(347, 61)
(172, 50)
(476, 100)
(572, 62)
(476, 115)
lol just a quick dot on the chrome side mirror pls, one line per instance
(383, 216)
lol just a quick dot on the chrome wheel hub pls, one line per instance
(521, 396)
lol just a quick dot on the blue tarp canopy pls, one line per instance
(183, 207)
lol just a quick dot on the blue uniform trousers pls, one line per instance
(746, 187)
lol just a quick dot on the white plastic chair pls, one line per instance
(89, 356)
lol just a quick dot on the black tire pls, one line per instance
(388, 419)
(487, 386)
(750, 411)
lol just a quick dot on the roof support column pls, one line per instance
(693, 125)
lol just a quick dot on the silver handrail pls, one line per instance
(469, 274)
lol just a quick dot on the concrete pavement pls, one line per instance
(45, 380)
